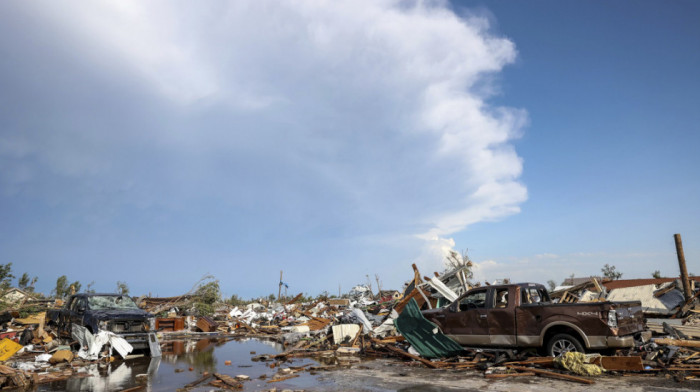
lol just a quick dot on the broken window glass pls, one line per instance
(104, 302)
(473, 300)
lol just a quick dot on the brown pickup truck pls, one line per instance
(522, 315)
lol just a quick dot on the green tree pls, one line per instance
(656, 274)
(235, 300)
(23, 281)
(206, 296)
(610, 272)
(122, 288)
(61, 286)
(6, 276)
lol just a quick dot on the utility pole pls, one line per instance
(279, 290)
(681, 264)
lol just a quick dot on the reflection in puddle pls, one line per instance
(183, 362)
(109, 377)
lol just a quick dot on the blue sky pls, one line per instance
(156, 143)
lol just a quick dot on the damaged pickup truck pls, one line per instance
(110, 312)
(522, 315)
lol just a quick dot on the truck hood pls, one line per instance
(113, 314)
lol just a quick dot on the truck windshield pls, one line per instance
(111, 302)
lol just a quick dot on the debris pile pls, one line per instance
(341, 332)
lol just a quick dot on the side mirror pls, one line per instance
(453, 307)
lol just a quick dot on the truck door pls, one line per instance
(501, 316)
(64, 318)
(77, 310)
(466, 322)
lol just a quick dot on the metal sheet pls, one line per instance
(423, 335)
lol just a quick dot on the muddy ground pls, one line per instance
(184, 362)
(388, 375)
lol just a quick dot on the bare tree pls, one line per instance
(455, 261)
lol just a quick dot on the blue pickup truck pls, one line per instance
(111, 312)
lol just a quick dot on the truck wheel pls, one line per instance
(563, 343)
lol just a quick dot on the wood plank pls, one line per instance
(228, 380)
(677, 342)
(283, 378)
(689, 330)
(544, 361)
(553, 375)
(134, 389)
(205, 377)
(632, 363)
(407, 355)
(295, 299)
(509, 375)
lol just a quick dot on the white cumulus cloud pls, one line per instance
(354, 119)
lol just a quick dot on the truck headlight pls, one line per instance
(612, 318)
(103, 325)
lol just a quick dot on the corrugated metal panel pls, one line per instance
(423, 335)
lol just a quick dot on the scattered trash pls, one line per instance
(342, 332)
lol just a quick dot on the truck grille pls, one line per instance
(127, 326)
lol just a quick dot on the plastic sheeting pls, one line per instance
(363, 319)
(423, 335)
(91, 345)
(387, 328)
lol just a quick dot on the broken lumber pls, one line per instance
(228, 380)
(205, 377)
(543, 361)
(134, 389)
(549, 374)
(632, 364)
(295, 299)
(419, 294)
(310, 353)
(407, 355)
(509, 375)
(283, 378)
(677, 342)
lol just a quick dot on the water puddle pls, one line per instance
(184, 362)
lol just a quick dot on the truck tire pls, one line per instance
(562, 343)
